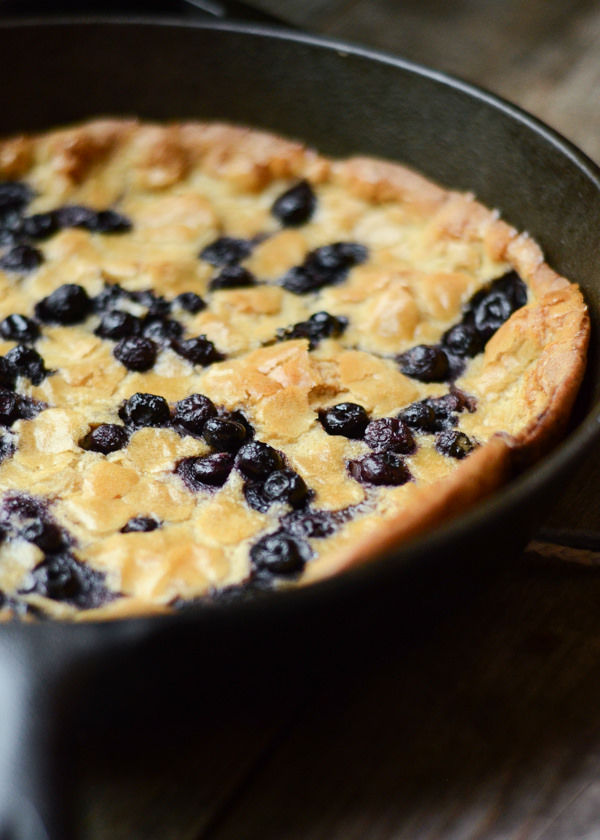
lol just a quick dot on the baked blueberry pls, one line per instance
(347, 419)
(226, 250)
(109, 297)
(136, 353)
(62, 578)
(105, 438)
(27, 362)
(69, 304)
(21, 259)
(256, 460)
(190, 302)
(44, 533)
(14, 195)
(239, 417)
(160, 329)
(7, 374)
(198, 350)
(324, 266)
(28, 408)
(318, 326)
(280, 554)
(492, 306)
(39, 226)
(384, 469)
(224, 435)
(295, 206)
(232, 277)
(9, 407)
(454, 444)
(96, 221)
(7, 446)
(209, 470)
(140, 523)
(117, 324)
(425, 362)
(389, 434)
(192, 412)
(463, 340)
(19, 328)
(314, 524)
(145, 410)
(285, 486)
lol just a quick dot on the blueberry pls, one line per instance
(280, 554)
(156, 304)
(21, 259)
(7, 446)
(160, 329)
(224, 435)
(39, 226)
(254, 496)
(226, 251)
(198, 351)
(424, 362)
(463, 340)
(140, 523)
(109, 297)
(9, 407)
(62, 578)
(103, 221)
(190, 302)
(239, 417)
(257, 460)
(7, 374)
(314, 524)
(75, 215)
(232, 277)
(145, 410)
(210, 470)
(325, 266)
(106, 438)
(454, 444)
(192, 412)
(384, 469)
(492, 306)
(389, 434)
(27, 362)
(19, 328)
(320, 325)
(46, 534)
(28, 408)
(14, 195)
(69, 304)
(347, 419)
(109, 221)
(285, 486)
(435, 414)
(136, 353)
(117, 324)
(295, 206)
(22, 506)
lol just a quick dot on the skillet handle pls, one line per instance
(187, 9)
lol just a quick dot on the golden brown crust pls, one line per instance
(183, 186)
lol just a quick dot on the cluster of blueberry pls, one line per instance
(483, 315)
(59, 576)
(18, 231)
(390, 438)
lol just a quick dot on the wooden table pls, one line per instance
(487, 728)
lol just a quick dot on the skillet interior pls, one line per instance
(370, 103)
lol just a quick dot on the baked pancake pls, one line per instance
(228, 363)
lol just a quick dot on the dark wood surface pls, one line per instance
(488, 726)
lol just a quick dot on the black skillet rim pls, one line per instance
(417, 550)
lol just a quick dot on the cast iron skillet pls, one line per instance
(61, 680)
